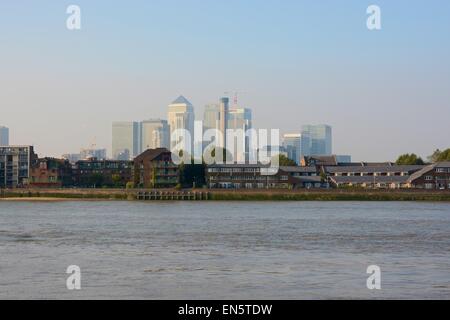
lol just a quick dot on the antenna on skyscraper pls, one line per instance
(235, 96)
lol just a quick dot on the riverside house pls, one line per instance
(15, 165)
(246, 176)
(94, 173)
(377, 176)
(51, 173)
(154, 168)
(432, 177)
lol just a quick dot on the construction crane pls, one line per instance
(235, 95)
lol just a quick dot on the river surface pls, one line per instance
(224, 250)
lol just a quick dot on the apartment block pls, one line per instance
(154, 168)
(15, 165)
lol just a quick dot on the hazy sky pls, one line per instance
(384, 92)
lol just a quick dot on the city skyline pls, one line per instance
(63, 89)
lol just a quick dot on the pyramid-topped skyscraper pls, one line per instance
(181, 116)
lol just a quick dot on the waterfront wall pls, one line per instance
(230, 195)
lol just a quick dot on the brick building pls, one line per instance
(432, 177)
(94, 173)
(154, 168)
(51, 173)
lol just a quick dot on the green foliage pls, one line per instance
(225, 153)
(96, 180)
(409, 159)
(439, 156)
(192, 175)
(116, 179)
(130, 185)
(286, 162)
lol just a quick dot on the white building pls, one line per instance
(239, 120)
(216, 117)
(181, 117)
(155, 134)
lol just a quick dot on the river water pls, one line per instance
(224, 250)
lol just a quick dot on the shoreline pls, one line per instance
(60, 195)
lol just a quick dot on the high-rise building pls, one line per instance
(181, 117)
(4, 136)
(155, 134)
(216, 117)
(211, 117)
(321, 138)
(99, 154)
(239, 119)
(71, 157)
(126, 142)
(15, 165)
(211, 121)
(224, 115)
(296, 145)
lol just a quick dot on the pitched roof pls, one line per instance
(388, 168)
(309, 169)
(327, 160)
(182, 100)
(370, 179)
(151, 153)
(427, 169)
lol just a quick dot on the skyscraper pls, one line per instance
(99, 154)
(125, 140)
(181, 117)
(4, 136)
(321, 138)
(155, 134)
(296, 145)
(216, 117)
(239, 119)
(224, 111)
(211, 117)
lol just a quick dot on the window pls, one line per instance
(428, 186)
(440, 170)
(428, 178)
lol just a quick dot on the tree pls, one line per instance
(440, 156)
(192, 175)
(96, 180)
(225, 153)
(286, 162)
(435, 156)
(409, 159)
(117, 180)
